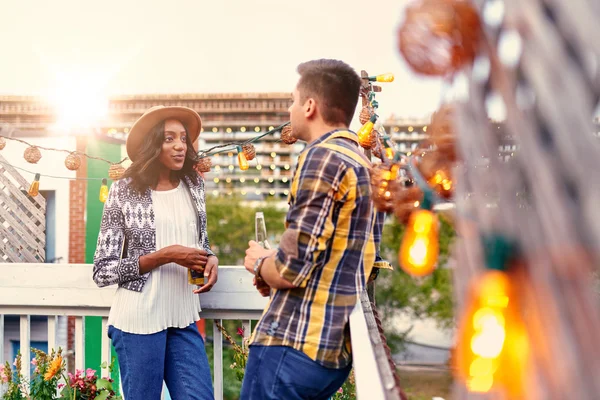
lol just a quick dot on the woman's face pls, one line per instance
(174, 145)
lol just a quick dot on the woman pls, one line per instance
(153, 231)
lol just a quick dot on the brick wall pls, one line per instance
(77, 206)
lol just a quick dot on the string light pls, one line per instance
(215, 129)
(493, 346)
(103, 191)
(243, 129)
(259, 167)
(242, 179)
(364, 133)
(216, 180)
(34, 188)
(256, 180)
(389, 77)
(242, 161)
(420, 245)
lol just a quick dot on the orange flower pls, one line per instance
(54, 368)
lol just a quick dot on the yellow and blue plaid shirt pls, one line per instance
(327, 250)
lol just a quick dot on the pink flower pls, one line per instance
(240, 331)
(340, 390)
(61, 385)
(34, 361)
(90, 373)
(36, 370)
(3, 375)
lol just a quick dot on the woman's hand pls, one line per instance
(211, 274)
(188, 257)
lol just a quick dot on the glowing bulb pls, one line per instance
(215, 193)
(256, 180)
(364, 133)
(410, 129)
(420, 245)
(272, 167)
(272, 193)
(257, 129)
(270, 180)
(243, 129)
(389, 153)
(218, 168)
(243, 192)
(215, 129)
(231, 167)
(492, 348)
(228, 130)
(34, 189)
(216, 180)
(286, 192)
(284, 180)
(242, 160)
(259, 167)
(286, 167)
(257, 192)
(103, 191)
(228, 180)
(271, 127)
(242, 180)
(273, 154)
(389, 77)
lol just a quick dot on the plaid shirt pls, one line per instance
(328, 251)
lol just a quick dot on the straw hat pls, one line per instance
(188, 117)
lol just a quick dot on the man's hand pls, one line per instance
(211, 274)
(253, 253)
(262, 287)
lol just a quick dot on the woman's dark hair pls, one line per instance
(144, 170)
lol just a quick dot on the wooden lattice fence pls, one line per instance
(22, 218)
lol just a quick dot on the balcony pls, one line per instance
(54, 290)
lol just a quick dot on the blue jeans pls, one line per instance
(174, 355)
(281, 372)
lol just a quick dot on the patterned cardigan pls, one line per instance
(127, 232)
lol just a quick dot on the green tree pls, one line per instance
(231, 225)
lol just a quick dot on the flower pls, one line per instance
(61, 385)
(34, 361)
(54, 368)
(90, 373)
(340, 390)
(3, 375)
(240, 331)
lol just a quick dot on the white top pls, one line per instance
(167, 300)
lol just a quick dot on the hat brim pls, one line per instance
(188, 117)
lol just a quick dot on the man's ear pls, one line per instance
(310, 108)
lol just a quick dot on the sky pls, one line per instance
(192, 46)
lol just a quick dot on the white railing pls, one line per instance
(68, 290)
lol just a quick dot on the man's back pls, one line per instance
(327, 251)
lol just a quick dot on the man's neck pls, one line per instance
(318, 130)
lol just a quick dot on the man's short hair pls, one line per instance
(335, 86)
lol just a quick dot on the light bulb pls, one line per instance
(103, 191)
(493, 346)
(389, 153)
(389, 77)
(420, 245)
(34, 189)
(364, 133)
(242, 161)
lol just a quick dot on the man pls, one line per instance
(301, 346)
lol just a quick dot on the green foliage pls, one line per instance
(231, 226)
(399, 293)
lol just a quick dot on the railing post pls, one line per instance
(218, 361)
(52, 323)
(105, 356)
(79, 343)
(25, 322)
